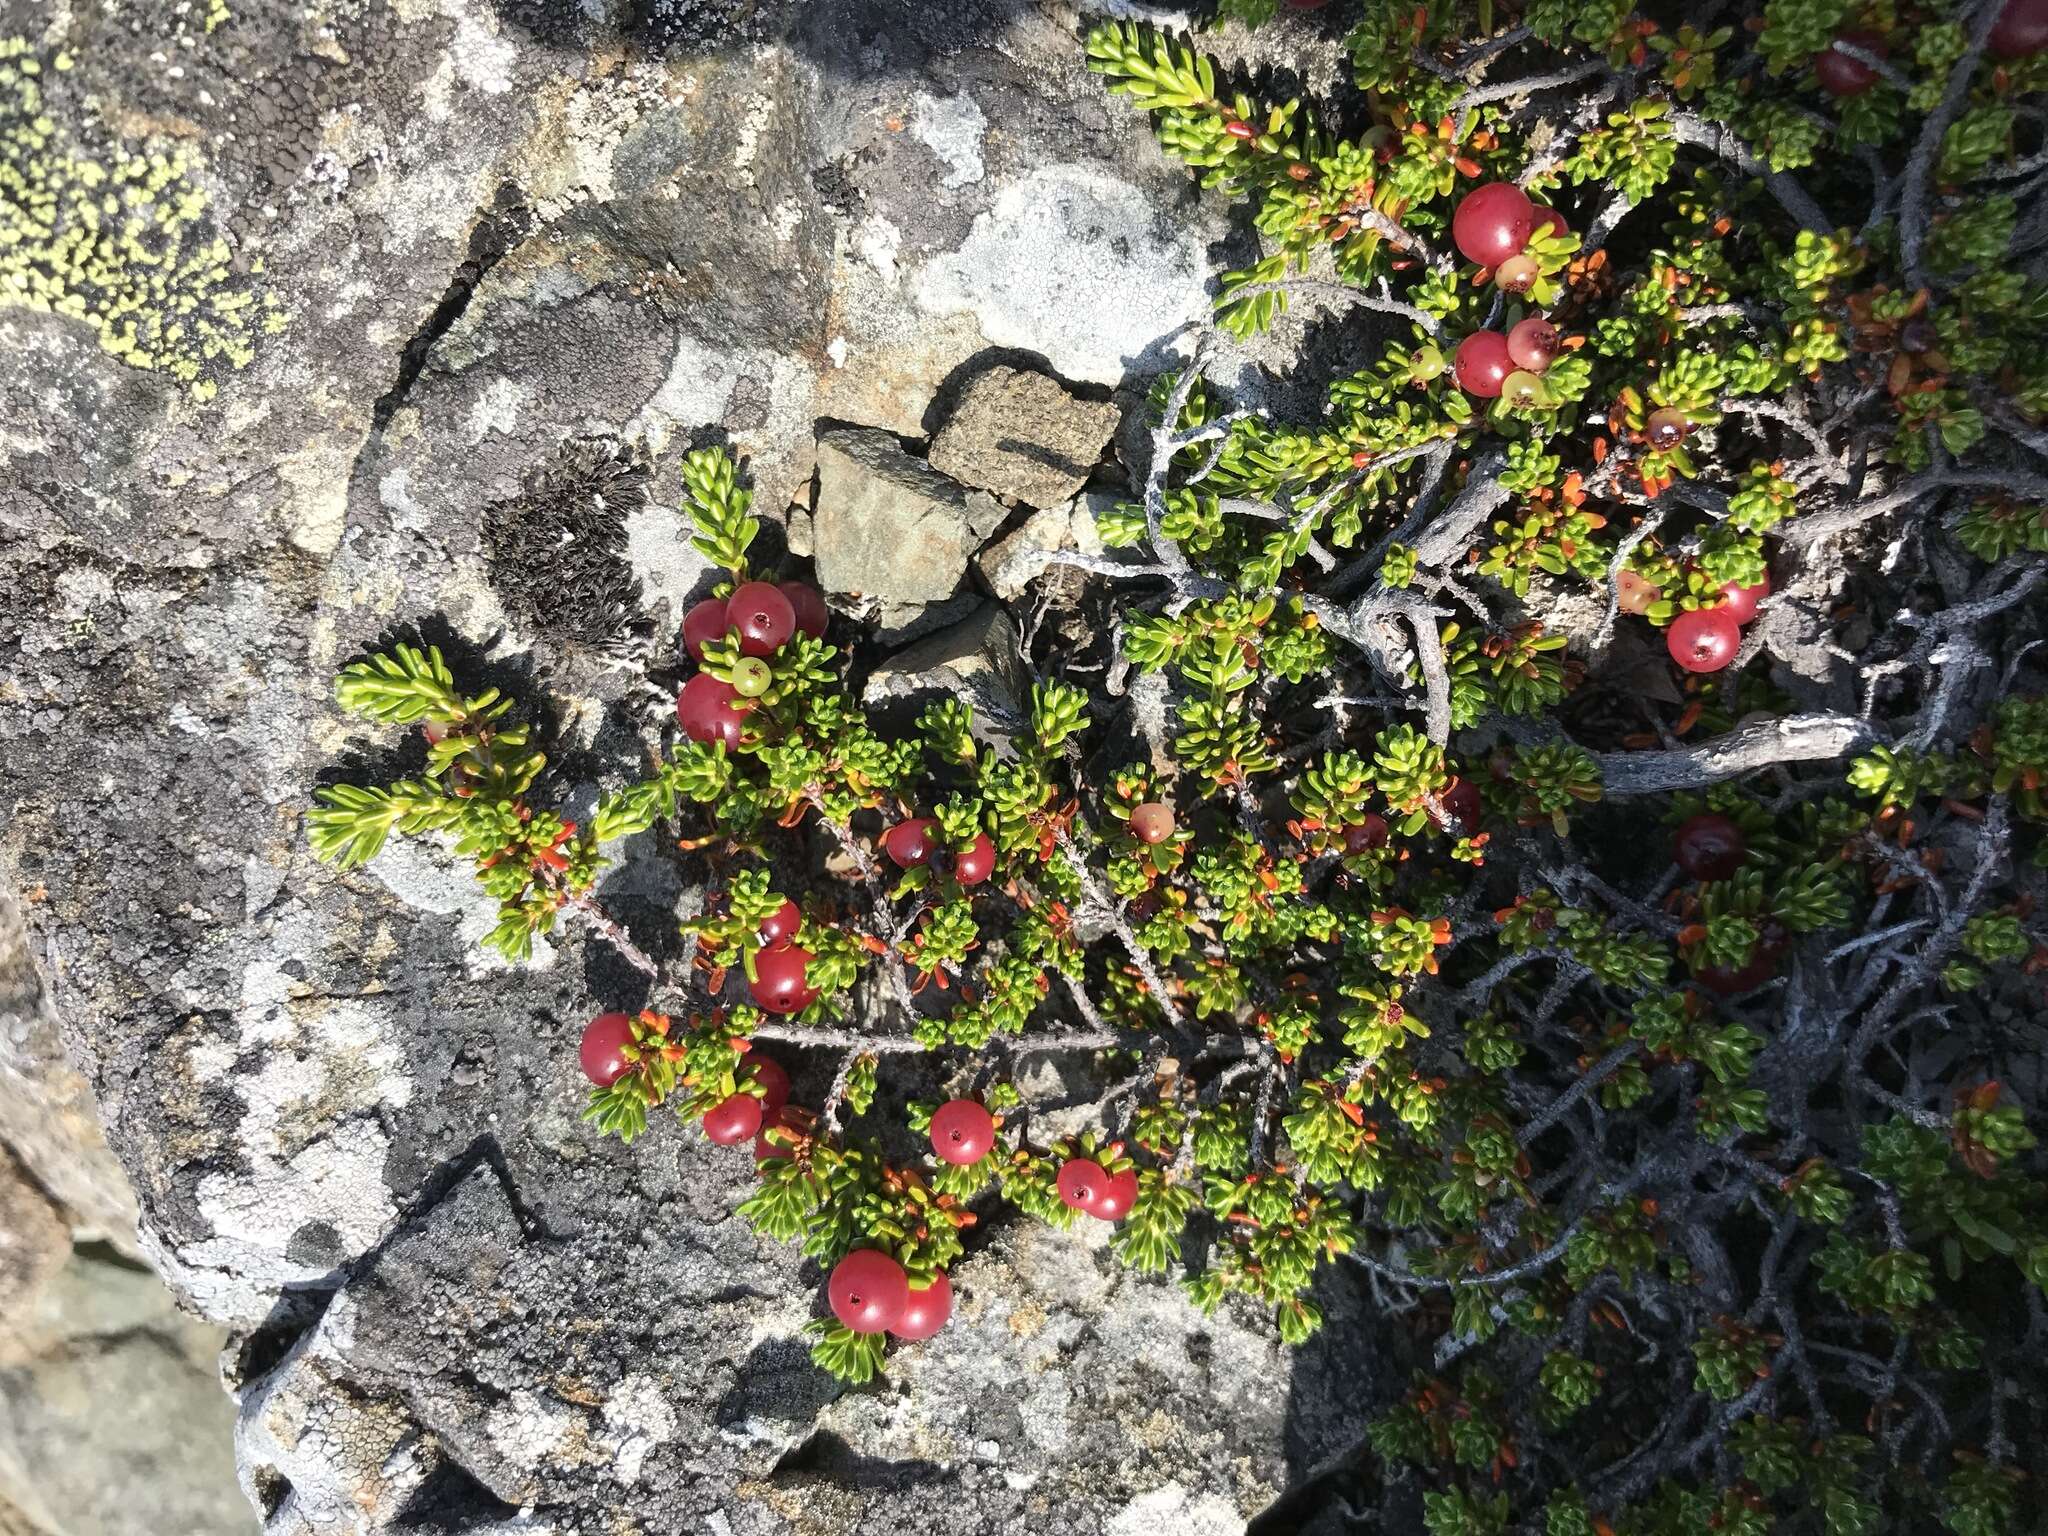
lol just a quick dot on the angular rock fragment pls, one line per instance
(1016, 563)
(1023, 436)
(887, 526)
(976, 658)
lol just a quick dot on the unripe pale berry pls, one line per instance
(1633, 592)
(1522, 390)
(751, 677)
(1517, 274)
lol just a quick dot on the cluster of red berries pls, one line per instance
(765, 615)
(914, 843)
(1700, 639)
(2020, 32)
(1493, 226)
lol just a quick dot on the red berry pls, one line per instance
(911, 843)
(1081, 1182)
(772, 1080)
(1727, 980)
(780, 984)
(763, 616)
(1739, 602)
(1550, 222)
(780, 926)
(1635, 593)
(1152, 822)
(868, 1291)
(1240, 130)
(702, 624)
(1709, 847)
(2021, 30)
(1532, 344)
(603, 1052)
(925, 1311)
(1118, 1196)
(1365, 834)
(1666, 428)
(1462, 801)
(710, 711)
(977, 863)
(808, 604)
(1482, 364)
(1704, 640)
(1840, 75)
(732, 1120)
(766, 1147)
(962, 1131)
(1493, 223)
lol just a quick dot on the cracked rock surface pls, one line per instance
(501, 243)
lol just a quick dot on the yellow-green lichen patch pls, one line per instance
(119, 240)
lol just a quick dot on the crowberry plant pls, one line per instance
(1451, 931)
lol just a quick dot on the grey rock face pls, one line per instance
(887, 526)
(976, 658)
(353, 1136)
(1023, 436)
(1014, 564)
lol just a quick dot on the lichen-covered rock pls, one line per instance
(1021, 435)
(490, 236)
(889, 527)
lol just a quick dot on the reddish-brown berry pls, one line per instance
(1152, 822)
(780, 926)
(702, 624)
(1709, 847)
(711, 711)
(808, 604)
(763, 616)
(1666, 428)
(1462, 801)
(603, 1052)
(1840, 75)
(911, 843)
(977, 863)
(2021, 30)
(780, 983)
(1365, 834)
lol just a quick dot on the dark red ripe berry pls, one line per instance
(1081, 1182)
(1550, 222)
(977, 863)
(1704, 640)
(1532, 344)
(1840, 75)
(780, 926)
(2021, 30)
(1118, 1196)
(962, 1131)
(1152, 822)
(1709, 847)
(1739, 602)
(1462, 801)
(763, 616)
(732, 1120)
(1482, 364)
(780, 984)
(702, 624)
(773, 1081)
(911, 843)
(808, 604)
(1240, 130)
(868, 1291)
(1493, 223)
(710, 711)
(603, 1052)
(1365, 834)
(1666, 428)
(925, 1311)
(1727, 980)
